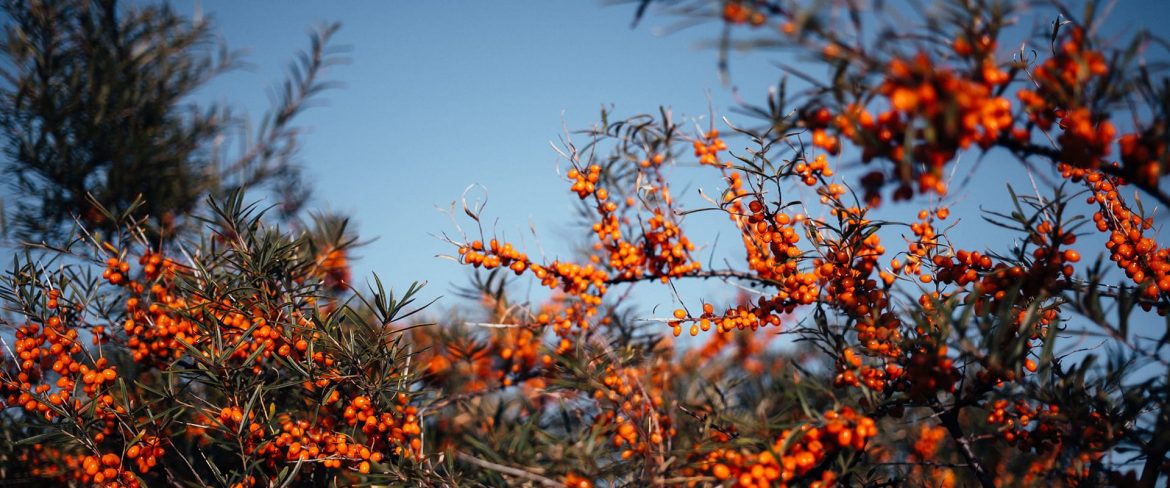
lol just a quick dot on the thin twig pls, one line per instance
(950, 420)
(509, 470)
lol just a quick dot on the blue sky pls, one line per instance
(442, 95)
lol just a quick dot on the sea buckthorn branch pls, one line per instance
(586, 282)
(1048, 153)
(1073, 89)
(1047, 233)
(656, 246)
(637, 225)
(225, 356)
(1077, 136)
(1142, 259)
(809, 30)
(1029, 276)
(718, 274)
(769, 239)
(82, 404)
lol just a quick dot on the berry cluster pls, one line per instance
(794, 455)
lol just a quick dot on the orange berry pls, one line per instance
(721, 471)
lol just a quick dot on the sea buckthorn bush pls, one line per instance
(867, 326)
(856, 338)
(239, 357)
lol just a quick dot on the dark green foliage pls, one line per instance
(97, 109)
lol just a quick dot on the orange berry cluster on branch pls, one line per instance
(845, 268)
(154, 265)
(750, 316)
(933, 111)
(636, 413)
(519, 351)
(819, 121)
(1145, 155)
(743, 12)
(585, 184)
(1042, 277)
(851, 371)
(930, 438)
(586, 282)
(103, 469)
(1045, 429)
(961, 109)
(103, 417)
(1145, 262)
(800, 451)
(1063, 96)
(707, 149)
(986, 287)
(812, 172)
(746, 350)
(769, 239)
(929, 370)
(514, 352)
(320, 440)
(661, 251)
(116, 271)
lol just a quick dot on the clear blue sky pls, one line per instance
(441, 95)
